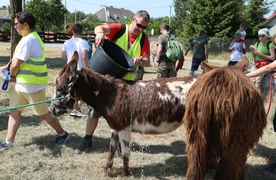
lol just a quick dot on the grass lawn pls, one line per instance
(36, 156)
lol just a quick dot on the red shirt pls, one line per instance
(115, 28)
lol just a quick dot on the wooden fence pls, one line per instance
(47, 37)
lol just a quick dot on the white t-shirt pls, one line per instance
(75, 44)
(28, 46)
(236, 54)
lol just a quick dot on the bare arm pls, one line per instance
(85, 57)
(206, 52)
(145, 61)
(263, 70)
(159, 51)
(187, 50)
(63, 55)
(270, 57)
(100, 32)
(15, 66)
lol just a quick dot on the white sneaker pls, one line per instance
(4, 145)
(77, 113)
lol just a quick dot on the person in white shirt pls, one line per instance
(237, 49)
(76, 43)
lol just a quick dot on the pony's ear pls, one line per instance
(207, 67)
(73, 64)
(243, 64)
(75, 57)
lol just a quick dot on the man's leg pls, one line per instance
(91, 125)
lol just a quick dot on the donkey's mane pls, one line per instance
(95, 80)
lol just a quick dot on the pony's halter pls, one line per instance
(68, 96)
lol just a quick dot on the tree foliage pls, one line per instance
(254, 15)
(219, 18)
(3, 7)
(48, 13)
(75, 16)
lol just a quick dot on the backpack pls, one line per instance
(267, 46)
(122, 31)
(173, 49)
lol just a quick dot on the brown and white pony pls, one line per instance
(150, 107)
(224, 119)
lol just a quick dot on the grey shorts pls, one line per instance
(92, 113)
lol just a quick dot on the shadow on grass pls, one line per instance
(174, 166)
(48, 141)
(269, 155)
(26, 121)
(176, 148)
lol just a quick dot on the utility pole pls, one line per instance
(170, 15)
(65, 17)
(75, 16)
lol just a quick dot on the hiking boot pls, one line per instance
(77, 113)
(85, 144)
(62, 139)
(4, 145)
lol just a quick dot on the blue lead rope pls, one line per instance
(6, 83)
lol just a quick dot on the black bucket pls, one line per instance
(112, 60)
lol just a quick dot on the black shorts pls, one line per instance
(92, 113)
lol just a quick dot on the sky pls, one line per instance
(156, 8)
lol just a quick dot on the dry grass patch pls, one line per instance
(36, 156)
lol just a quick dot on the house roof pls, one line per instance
(271, 17)
(112, 14)
(4, 14)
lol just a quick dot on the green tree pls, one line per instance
(89, 23)
(6, 27)
(75, 17)
(219, 18)
(254, 14)
(16, 6)
(3, 7)
(48, 13)
(153, 24)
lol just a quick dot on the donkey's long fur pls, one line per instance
(154, 107)
(224, 118)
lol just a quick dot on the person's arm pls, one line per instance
(206, 52)
(187, 50)
(85, 57)
(6, 66)
(100, 32)
(253, 50)
(263, 70)
(159, 51)
(270, 57)
(14, 68)
(63, 55)
(242, 47)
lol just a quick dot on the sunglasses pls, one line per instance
(262, 36)
(140, 25)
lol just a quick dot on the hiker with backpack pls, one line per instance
(263, 53)
(200, 49)
(168, 53)
(135, 42)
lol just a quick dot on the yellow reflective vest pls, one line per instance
(33, 71)
(134, 51)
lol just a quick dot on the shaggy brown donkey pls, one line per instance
(150, 107)
(224, 119)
